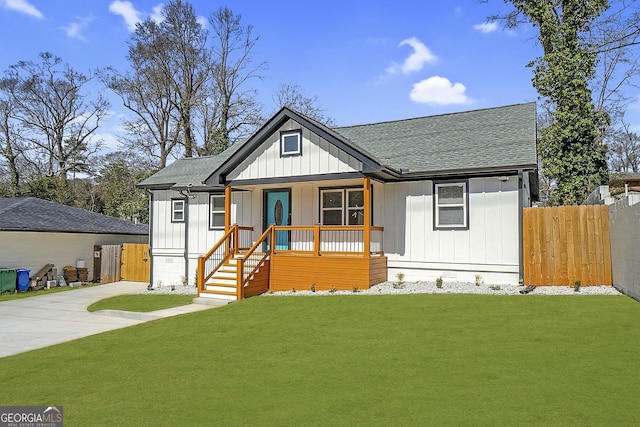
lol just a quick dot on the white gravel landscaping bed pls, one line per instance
(461, 288)
(421, 288)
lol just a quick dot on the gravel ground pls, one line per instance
(179, 290)
(464, 288)
(425, 288)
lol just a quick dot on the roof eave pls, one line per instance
(454, 173)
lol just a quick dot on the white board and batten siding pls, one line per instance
(490, 246)
(318, 157)
(169, 237)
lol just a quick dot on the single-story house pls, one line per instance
(36, 232)
(305, 206)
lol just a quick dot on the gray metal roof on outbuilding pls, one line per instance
(33, 214)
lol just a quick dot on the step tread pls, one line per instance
(221, 284)
(212, 291)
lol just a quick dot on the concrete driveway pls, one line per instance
(40, 321)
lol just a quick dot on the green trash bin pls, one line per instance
(8, 279)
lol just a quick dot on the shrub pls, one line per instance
(399, 284)
(439, 282)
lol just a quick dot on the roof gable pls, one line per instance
(265, 134)
(315, 157)
(33, 214)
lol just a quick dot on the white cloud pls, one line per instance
(486, 27)
(22, 6)
(75, 29)
(127, 11)
(438, 90)
(421, 55)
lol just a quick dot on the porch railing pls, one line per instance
(235, 239)
(327, 239)
(252, 260)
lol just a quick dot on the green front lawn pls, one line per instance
(140, 302)
(351, 360)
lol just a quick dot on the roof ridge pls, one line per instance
(433, 116)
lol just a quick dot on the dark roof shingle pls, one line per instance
(33, 214)
(493, 137)
(501, 137)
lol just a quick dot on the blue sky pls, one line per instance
(366, 61)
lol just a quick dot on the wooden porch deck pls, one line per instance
(293, 257)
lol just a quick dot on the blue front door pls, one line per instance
(277, 211)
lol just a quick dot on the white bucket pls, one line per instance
(80, 263)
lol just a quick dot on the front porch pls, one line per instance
(292, 257)
(301, 257)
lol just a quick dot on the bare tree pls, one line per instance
(169, 68)
(614, 36)
(185, 56)
(146, 91)
(291, 96)
(9, 139)
(54, 114)
(186, 88)
(624, 150)
(236, 111)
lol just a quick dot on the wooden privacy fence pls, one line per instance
(565, 244)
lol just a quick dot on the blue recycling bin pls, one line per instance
(22, 279)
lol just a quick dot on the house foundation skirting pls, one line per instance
(304, 272)
(415, 272)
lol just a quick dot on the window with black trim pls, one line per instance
(451, 205)
(355, 207)
(216, 211)
(291, 143)
(177, 210)
(342, 206)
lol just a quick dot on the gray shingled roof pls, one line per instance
(33, 214)
(494, 137)
(187, 171)
(501, 137)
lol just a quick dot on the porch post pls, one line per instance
(227, 208)
(367, 217)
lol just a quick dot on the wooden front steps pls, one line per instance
(222, 284)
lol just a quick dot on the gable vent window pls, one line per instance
(177, 210)
(451, 205)
(291, 143)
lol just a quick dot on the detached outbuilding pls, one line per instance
(36, 232)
